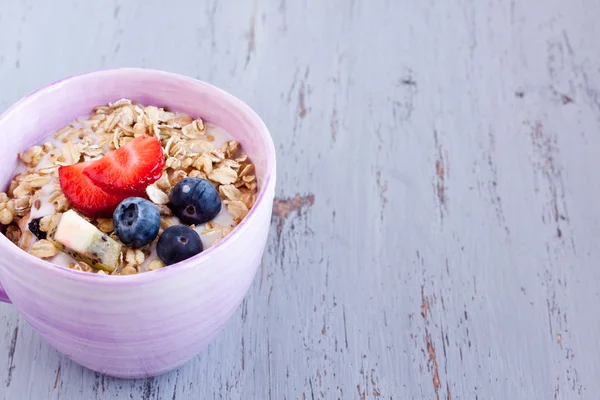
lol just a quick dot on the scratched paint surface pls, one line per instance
(436, 224)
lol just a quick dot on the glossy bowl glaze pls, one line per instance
(137, 325)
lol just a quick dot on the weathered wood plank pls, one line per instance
(435, 229)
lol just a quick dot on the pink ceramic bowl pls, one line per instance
(147, 324)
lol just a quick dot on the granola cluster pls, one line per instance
(189, 148)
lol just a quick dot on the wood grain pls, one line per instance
(435, 233)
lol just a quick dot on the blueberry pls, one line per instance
(34, 227)
(136, 222)
(195, 201)
(178, 243)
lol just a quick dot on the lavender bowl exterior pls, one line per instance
(138, 325)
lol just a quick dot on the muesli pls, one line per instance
(128, 189)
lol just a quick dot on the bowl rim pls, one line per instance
(162, 273)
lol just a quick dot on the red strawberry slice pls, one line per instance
(129, 169)
(84, 196)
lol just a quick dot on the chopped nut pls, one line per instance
(100, 272)
(3, 197)
(155, 264)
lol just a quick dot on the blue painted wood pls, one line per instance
(436, 229)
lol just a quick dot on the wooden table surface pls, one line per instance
(436, 230)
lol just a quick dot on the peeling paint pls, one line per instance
(283, 207)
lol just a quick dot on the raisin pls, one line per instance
(34, 227)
